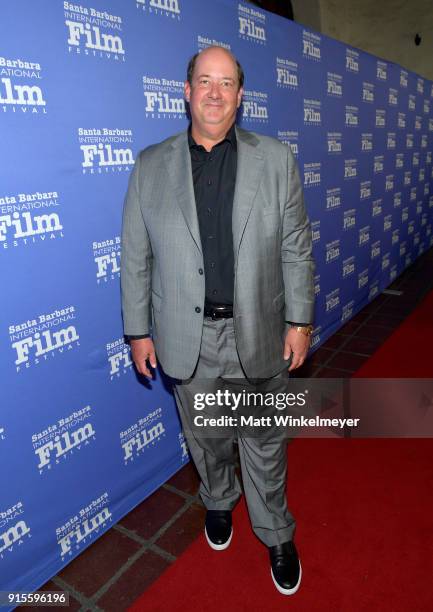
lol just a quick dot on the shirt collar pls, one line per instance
(230, 137)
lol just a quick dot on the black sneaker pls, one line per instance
(286, 568)
(218, 528)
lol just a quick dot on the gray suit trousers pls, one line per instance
(263, 460)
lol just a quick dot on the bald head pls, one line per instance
(215, 50)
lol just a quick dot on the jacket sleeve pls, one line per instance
(296, 250)
(136, 260)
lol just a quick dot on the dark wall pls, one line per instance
(279, 7)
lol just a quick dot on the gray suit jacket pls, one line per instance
(162, 290)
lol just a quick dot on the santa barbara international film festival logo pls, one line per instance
(165, 8)
(84, 525)
(399, 160)
(373, 290)
(332, 299)
(349, 219)
(334, 85)
(364, 190)
(334, 140)
(252, 24)
(106, 255)
(20, 87)
(315, 231)
(142, 435)
(43, 337)
(368, 92)
(362, 278)
(27, 218)
(380, 121)
(312, 174)
(391, 140)
(411, 102)
(350, 168)
(311, 46)
(105, 150)
(60, 440)
(93, 32)
(367, 141)
(13, 528)
(312, 112)
(347, 311)
(409, 141)
(291, 139)
(387, 223)
(287, 73)
(376, 207)
(392, 97)
(118, 357)
(352, 60)
(381, 70)
(332, 251)
(255, 106)
(163, 98)
(351, 116)
(333, 198)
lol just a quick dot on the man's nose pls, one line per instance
(214, 91)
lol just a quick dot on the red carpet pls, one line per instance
(364, 513)
(408, 351)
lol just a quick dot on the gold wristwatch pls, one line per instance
(307, 330)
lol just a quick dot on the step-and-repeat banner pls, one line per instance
(83, 87)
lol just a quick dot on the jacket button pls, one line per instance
(200, 270)
(197, 309)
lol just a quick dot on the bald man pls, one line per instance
(217, 283)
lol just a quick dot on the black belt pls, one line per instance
(218, 311)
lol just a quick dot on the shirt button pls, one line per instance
(212, 265)
(209, 211)
(197, 309)
(210, 237)
(214, 292)
(200, 270)
(209, 182)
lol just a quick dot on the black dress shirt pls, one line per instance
(214, 178)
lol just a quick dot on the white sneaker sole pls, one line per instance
(288, 591)
(218, 546)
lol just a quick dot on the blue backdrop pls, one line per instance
(83, 87)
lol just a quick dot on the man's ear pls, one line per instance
(240, 94)
(187, 90)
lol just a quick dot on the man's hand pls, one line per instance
(298, 344)
(143, 350)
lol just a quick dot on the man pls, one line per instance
(217, 266)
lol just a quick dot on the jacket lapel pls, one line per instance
(250, 165)
(178, 167)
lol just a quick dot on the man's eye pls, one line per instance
(204, 81)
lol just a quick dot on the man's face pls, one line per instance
(214, 95)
